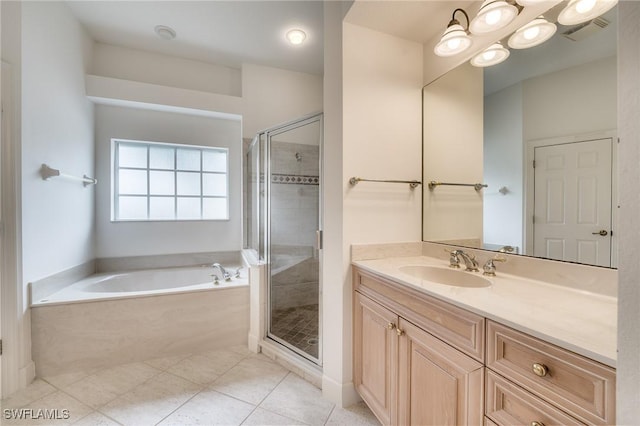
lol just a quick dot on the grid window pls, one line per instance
(157, 181)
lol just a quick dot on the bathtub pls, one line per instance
(119, 285)
(114, 318)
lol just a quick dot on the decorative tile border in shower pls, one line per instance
(294, 179)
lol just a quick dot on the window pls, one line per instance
(158, 181)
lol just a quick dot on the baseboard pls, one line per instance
(294, 363)
(27, 374)
(341, 394)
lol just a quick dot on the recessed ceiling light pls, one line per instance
(296, 36)
(164, 32)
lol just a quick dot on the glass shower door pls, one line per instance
(293, 236)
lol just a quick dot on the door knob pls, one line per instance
(602, 232)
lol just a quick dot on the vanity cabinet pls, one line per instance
(553, 379)
(421, 361)
(405, 373)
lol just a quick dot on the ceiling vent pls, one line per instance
(585, 30)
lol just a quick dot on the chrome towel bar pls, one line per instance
(47, 172)
(476, 186)
(412, 183)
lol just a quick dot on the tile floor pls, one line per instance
(224, 387)
(298, 326)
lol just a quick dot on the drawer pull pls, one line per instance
(537, 424)
(391, 326)
(540, 370)
(399, 332)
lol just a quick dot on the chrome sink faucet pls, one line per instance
(490, 268)
(225, 274)
(470, 261)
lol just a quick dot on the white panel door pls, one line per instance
(572, 202)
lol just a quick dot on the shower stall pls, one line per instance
(283, 227)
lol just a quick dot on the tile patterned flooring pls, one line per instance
(298, 326)
(224, 387)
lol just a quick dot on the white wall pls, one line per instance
(116, 239)
(573, 101)
(273, 96)
(628, 373)
(502, 214)
(17, 367)
(337, 383)
(577, 100)
(148, 67)
(453, 153)
(57, 129)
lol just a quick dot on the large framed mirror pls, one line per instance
(539, 130)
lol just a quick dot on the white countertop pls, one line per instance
(577, 320)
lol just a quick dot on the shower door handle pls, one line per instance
(319, 239)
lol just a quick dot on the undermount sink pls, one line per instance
(452, 277)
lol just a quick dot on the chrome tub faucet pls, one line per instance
(225, 274)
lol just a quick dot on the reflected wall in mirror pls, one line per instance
(539, 130)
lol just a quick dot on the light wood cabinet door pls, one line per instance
(375, 348)
(438, 385)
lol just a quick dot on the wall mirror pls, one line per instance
(539, 129)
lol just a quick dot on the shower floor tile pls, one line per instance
(298, 326)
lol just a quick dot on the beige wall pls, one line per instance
(380, 139)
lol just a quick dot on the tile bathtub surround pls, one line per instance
(70, 338)
(41, 289)
(248, 389)
(130, 263)
(45, 287)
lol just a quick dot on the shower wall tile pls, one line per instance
(292, 295)
(283, 159)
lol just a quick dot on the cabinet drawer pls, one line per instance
(577, 385)
(508, 404)
(459, 328)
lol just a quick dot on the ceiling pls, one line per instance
(220, 32)
(413, 20)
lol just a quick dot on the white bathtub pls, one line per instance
(115, 318)
(118, 285)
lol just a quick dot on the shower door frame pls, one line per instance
(276, 130)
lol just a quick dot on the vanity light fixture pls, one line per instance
(493, 15)
(455, 38)
(492, 55)
(579, 11)
(526, 3)
(532, 34)
(296, 36)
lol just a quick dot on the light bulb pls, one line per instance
(454, 43)
(296, 36)
(493, 17)
(584, 6)
(531, 33)
(489, 55)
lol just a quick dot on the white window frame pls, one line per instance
(115, 193)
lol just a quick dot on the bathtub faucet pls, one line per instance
(225, 275)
